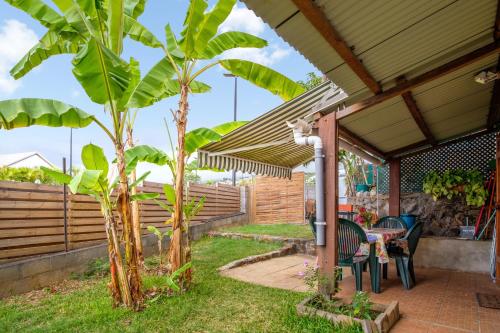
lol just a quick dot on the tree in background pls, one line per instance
(25, 174)
(312, 81)
(186, 59)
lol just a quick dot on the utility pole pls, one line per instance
(235, 111)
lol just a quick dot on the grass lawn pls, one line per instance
(214, 304)
(286, 230)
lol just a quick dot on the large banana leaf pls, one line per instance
(194, 17)
(86, 182)
(156, 84)
(101, 73)
(226, 128)
(172, 45)
(26, 112)
(52, 43)
(144, 153)
(93, 158)
(211, 23)
(40, 11)
(202, 136)
(58, 176)
(134, 8)
(115, 25)
(140, 33)
(264, 77)
(135, 78)
(63, 5)
(230, 40)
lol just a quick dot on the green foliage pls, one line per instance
(312, 81)
(456, 183)
(355, 170)
(361, 305)
(24, 174)
(24, 112)
(97, 268)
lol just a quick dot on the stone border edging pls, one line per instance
(284, 251)
(302, 245)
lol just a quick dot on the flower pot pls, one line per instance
(385, 320)
(362, 188)
(409, 219)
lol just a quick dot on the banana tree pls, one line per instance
(92, 30)
(197, 50)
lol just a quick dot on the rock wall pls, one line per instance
(441, 218)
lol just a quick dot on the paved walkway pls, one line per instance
(442, 300)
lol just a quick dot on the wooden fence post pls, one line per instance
(65, 205)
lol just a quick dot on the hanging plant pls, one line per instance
(455, 183)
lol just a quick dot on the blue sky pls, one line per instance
(53, 79)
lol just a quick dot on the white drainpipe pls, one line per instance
(301, 139)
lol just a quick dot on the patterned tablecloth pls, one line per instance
(380, 236)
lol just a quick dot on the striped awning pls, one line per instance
(265, 145)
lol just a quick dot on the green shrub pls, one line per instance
(25, 174)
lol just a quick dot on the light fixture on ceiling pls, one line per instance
(486, 76)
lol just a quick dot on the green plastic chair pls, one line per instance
(392, 222)
(404, 261)
(350, 237)
(312, 219)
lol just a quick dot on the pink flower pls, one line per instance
(302, 274)
(306, 264)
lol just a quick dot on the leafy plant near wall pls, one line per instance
(25, 174)
(455, 183)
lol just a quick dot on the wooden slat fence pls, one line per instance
(277, 200)
(32, 216)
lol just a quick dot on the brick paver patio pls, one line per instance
(442, 300)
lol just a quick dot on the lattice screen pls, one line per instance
(467, 155)
(470, 154)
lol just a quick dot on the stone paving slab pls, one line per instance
(442, 300)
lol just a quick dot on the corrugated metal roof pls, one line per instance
(394, 38)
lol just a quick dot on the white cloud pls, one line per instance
(243, 19)
(266, 56)
(15, 40)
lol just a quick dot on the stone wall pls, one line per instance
(441, 218)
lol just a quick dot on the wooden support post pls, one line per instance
(394, 186)
(328, 255)
(497, 215)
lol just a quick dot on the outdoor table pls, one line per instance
(377, 238)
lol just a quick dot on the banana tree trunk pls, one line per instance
(136, 223)
(124, 211)
(119, 286)
(180, 241)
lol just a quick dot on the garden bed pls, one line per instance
(383, 317)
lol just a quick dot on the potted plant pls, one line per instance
(365, 218)
(355, 179)
(358, 310)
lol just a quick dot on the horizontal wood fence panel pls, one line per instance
(32, 215)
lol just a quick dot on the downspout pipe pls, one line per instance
(315, 141)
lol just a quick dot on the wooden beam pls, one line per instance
(394, 186)
(497, 205)
(429, 76)
(318, 19)
(411, 104)
(328, 255)
(494, 111)
(361, 143)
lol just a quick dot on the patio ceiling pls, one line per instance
(408, 67)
